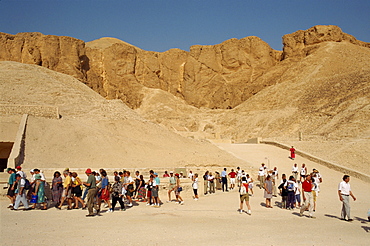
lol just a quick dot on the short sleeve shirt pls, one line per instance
(67, 181)
(11, 179)
(91, 180)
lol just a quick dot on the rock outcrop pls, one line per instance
(58, 53)
(301, 43)
(218, 76)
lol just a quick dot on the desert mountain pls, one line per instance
(318, 85)
(92, 131)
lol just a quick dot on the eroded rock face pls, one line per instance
(213, 76)
(299, 44)
(59, 53)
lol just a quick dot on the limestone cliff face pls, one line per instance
(217, 76)
(213, 76)
(299, 44)
(61, 54)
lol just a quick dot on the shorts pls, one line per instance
(250, 185)
(172, 186)
(67, 194)
(195, 192)
(244, 197)
(298, 198)
(232, 180)
(303, 176)
(155, 192)
(10, 191)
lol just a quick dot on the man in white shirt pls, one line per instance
(344, 191)
(295, 171)
(190, 175)
(21, 196)
(261, 175)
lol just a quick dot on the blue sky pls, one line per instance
(161, 25)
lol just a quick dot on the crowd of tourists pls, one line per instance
(126, 189)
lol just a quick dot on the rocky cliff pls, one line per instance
(218, 76)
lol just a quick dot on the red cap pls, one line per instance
(19, 168)
(178, 175)
(88, 171)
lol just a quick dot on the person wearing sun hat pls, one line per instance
(91, 187)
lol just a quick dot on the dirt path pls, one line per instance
(213, 220)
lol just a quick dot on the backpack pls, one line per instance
(290, 186)
(243, 190)
(27, 185)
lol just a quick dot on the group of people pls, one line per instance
(125, 188)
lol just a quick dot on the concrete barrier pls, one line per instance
(331, 165)
(16, 156)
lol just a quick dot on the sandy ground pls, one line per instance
(211, 220)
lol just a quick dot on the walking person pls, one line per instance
(57, 188)
(205, 182)
(172, 185)
(77, 191)
(40, 192)
(290, 187)
(195, 187)
(268, 191)
(292, 153)
(91, 193)
(224, 180)
(20, 193)
(211, 181)
(344, 191)
(307, 197)
(67, 191)
(250, 183)
(244, 195)
(295, 171)
(283, 191)
(117, 193)
(232, 176)
(11, 187)
(178, 189)
(261, 175)
(303, 172)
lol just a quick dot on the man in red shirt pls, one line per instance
(232, 176)
(307, 197)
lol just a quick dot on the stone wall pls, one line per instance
(34, 110)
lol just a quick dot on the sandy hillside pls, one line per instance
(92, 131)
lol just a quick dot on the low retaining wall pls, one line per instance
(34, 110)
(16, 156)
(318, 160)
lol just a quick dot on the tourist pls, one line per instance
(238, 176)
(57, 188)
(129, 186)
(20, 172)
(303, 172)
(149, 186)
(32, 187)
(218, 180)
(205, 182)
(344, 191)
(261, 175)
(141, 194)
(158, 182)
(307, 197)
(104, 191)
(250, 183)
(274, 177)
(283, 191)
(178, 189)
(190, 175)
(195, 187)
(91, 186)
(295, 171)
(297, 203)
(20, 193)
(117, 193)
(77, 190)
(224, 180)
(155, 191)
(67, 191)
(137, 184)
(290, 187)
(40, 192)
(244, 196)
(292, 153)
(211, 182)
(42, 176)
(166, 175)
(232, 176)
(268, 191)
(172, 185)
(11, 187)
